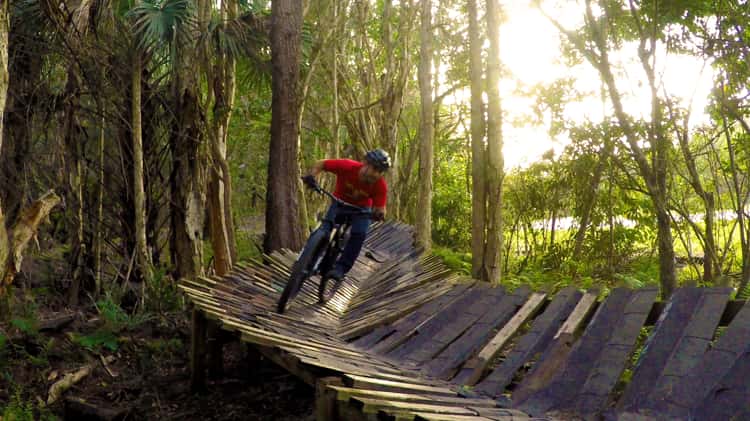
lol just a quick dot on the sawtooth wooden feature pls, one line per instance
(534, 341)
(679, 340)
(594, 364)
(406, 339)
(446, 363)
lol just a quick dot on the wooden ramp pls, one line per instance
(406, 339)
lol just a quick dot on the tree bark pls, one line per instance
(139, 194)
(220, 187)
(282, 217)
(24, 229)
(187, 179)
(4, 29)
(426, 131)
(495, 172)
(478, 151)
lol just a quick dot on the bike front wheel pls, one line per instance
(301, 269)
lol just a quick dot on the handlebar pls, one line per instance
(325, 192)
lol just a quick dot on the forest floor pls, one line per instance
(139, 370)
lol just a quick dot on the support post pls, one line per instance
(325, 399)
(198, 352)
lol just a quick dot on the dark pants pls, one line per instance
(357, 234)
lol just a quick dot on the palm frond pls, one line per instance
(163, 23)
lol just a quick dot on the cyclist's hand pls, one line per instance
(310, 182)
(378, 216)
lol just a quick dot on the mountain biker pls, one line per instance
(358, 183)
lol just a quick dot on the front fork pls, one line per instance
(337, 242)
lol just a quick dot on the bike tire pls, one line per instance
(300, 269)
(324, 297)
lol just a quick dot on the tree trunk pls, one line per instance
(739, 203)
(426, 131)
(187, 183)
(4, 29)
(220, 188)
(282, 217)
(24, 229)
(478, 152)
(139, 194)
(74, 169)
(494, 148)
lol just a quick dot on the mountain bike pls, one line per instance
(321, 252)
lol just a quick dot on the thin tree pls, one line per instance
(4, 29)
(426, 130)
(141, 247)
(495, 173)
(478, 150)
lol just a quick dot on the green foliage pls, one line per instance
(18, 409)
(26, 325)
(161, 22)
(456, 261)
(744, 293)
(99, 339)
(164, 346)
(162, 294)
(115, 320)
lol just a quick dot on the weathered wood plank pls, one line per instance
(445, 364)
(679, 340)
(375, 405)
(366, 382)
(423, 416)
(345, 393)
(412, 320)
(556, 353)
(430, 337)
(412, 325)
(535, 340)
(597, 359)
(718, 384)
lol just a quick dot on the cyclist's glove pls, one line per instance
(378, 216)
(310, 182)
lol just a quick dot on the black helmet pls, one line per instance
(379, 159)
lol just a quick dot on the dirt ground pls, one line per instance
(146, 378)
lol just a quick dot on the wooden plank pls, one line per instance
(556, 353)
(445, 364)
(728, 399)
(376, 405)
(679, 340)
(350, 331)
(597, 359)
(368, 382)
(411, 325)
(434, 334)
(409, 322)
(423, 416)
(345, 393)
(535, 340)
(708, 388)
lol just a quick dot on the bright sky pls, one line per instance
(530, 49)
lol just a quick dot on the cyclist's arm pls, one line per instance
(316, 168)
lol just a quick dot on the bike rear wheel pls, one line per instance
(301, 269)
